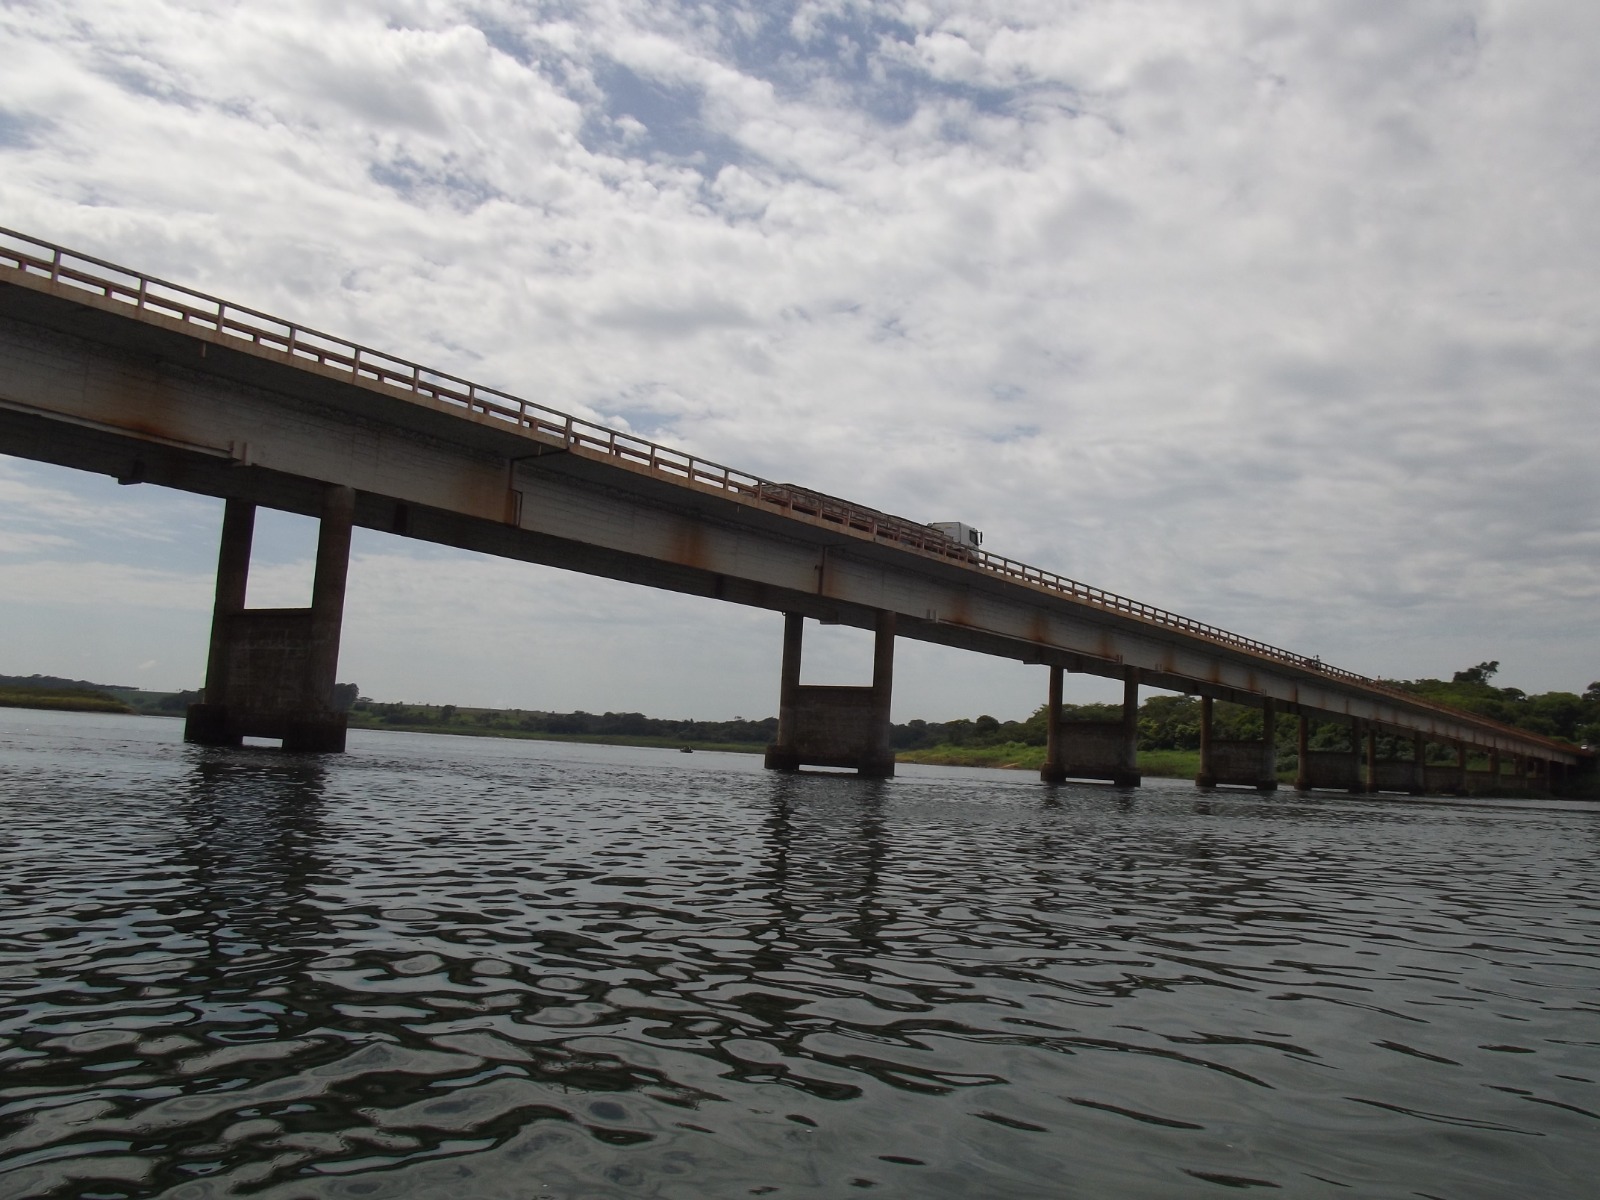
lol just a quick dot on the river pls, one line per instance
(470, 968)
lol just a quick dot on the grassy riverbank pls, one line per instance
(466, 729)
(1158, 764)
(64, 700)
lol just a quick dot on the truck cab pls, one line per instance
(964, 535)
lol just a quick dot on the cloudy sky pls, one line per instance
(1282, 315)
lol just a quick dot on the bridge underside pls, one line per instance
(152, 402)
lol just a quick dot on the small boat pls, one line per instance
(685, 749)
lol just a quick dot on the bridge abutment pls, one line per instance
(270, 672)
(830, 726)
(1107, 750)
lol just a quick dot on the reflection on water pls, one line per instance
(446, 967)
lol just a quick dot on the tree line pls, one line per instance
(1165, 721)
(1169, 722)
(564, 724)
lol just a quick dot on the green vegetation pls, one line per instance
(1169, 727)
(61, 699)
(615, 729)
(1171, 764)
(1018, 755)
(79, 695)
(1162, 763)
(1565, 716)
(1165, 723)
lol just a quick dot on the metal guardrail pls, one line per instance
(148, 294)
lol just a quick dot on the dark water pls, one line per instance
(457, 968)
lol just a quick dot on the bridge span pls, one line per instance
(105, 369)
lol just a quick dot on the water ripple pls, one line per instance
(444, 967)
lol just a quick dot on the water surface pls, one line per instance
(441, 966)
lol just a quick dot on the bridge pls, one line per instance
(106, 369)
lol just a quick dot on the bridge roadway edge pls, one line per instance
(662, 534)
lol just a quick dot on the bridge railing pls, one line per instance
(148, 294)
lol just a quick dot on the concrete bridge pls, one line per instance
(105, 369)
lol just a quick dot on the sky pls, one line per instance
(1281, 315)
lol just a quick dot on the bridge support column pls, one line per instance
(1372, 760)
(879, 762)
(1053, 771)
(271, 671)
(1093, 749)
(1238, 762)
(782, 755)
(1419, 771)
(1302, 755)
(1445, 779)
(1357, 770)
(835, 726)
(1337, 769)
(1128, 772)
(1268, 780)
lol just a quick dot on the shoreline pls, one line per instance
(67, 702)
(1153, 764)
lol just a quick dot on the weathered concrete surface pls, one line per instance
(1483, 782)
(830, 725)
(1096, 750)
(1240, 763)
(1338, 770)
(1442, 779)
(271, 671)
(1106, 750)
(1235, 762)
(834, 727)
(1398, 775)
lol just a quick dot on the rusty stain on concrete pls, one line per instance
(689, 546)
(1039, 628)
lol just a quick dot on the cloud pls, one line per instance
(89, 585)
(1278, 315)
(44, 509)
(12, 542)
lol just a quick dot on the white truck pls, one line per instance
(964, 535)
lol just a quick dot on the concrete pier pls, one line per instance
(1053, 771)
(1446, 779)
(270, 671)
(1238, 762)
(831, 726)
(1333, 770)
(1104, 750)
